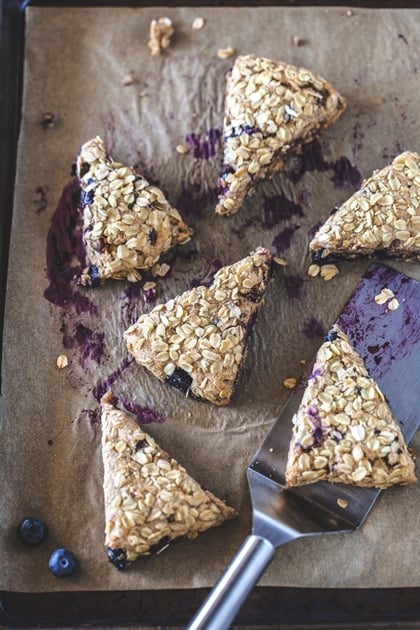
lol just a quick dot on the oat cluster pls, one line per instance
(344, 430)
(150, 499)
(161, 31)
(197, 340)
(271, 109)
(384, 215)
(127, 223)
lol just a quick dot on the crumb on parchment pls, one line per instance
(161, 31)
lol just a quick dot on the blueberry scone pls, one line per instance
(197, 341)
(150, 499)
(344, 430)
(382, 217)
(127, 223)
(271, 109)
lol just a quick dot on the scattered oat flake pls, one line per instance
(224, 53)
(149, 285)
(393, 304)
(297, 41)
(289, 383)
(47, 119)
(384, 296)
(62, 361)
(198, 23)
(128, 79)
(342, 503)
(280, 261)
(161, 270)
(328, 272)
(182, 149)
(313, 270)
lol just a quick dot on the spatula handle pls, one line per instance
(224, 601)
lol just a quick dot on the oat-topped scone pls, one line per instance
(382, 217)
(344, 430)
(272, 108)
(127, 223)
(197, 341)
(150, 499)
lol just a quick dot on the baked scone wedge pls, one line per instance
(272, 108)
(344, 430)
(197, 341)
(127, 223)
(381, 218)
(150, 499)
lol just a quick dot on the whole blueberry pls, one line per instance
(331, 335)
(62, 563)
(32, 531)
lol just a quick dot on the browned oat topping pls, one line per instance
(271, 109)
(197, 341)
(150, 499)
(344, 431)
(383, 215)
(127, 223)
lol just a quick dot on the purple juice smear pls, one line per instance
(204, 148)
(193, 201)
(313, 328)
(143, 415)
(65, 254)
(380, 335)
(345, 174)
(293, 284)
(102, 387)
(283, 240)
(279, 208)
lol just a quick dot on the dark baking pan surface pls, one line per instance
(267, 607)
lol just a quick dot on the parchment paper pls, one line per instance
(75, 64)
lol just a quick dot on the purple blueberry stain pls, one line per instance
(313, 328)
(279, 208)
(204, 146)
(283, 240)
(65, 254)
(382, 334)
(102, 387)
(293, 284)
(143, 414)
(345, 174)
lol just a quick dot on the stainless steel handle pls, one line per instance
(224, 601)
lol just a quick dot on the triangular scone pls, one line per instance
(150, 499)
(271, 109)
(382, 217)
(197, 341)
(127, 223)
(344, 431)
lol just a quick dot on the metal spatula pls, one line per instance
(281, 515)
